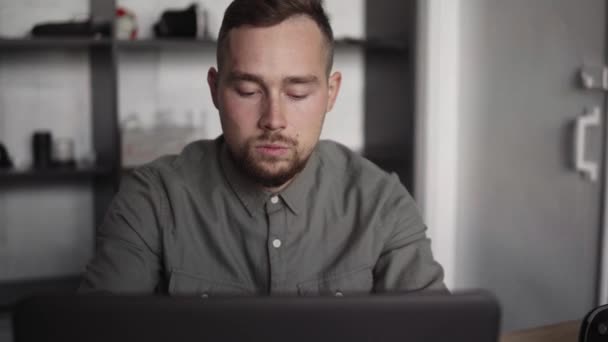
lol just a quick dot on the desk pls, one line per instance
(563, 332)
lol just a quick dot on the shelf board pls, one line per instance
(55, 43)
(182, 43)
(58, 174)
(373, 44)
(379, 45)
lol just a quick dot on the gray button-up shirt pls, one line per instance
(192, 224)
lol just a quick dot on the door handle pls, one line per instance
(593, 77)
(591, 118)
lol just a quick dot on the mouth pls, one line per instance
(274, 150)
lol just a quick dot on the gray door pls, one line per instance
(530, 224)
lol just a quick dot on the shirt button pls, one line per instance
(274, 199)
(276, 243)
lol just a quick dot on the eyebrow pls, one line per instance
(236, 76)
(311, 79)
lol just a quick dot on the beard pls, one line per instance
(265, 170)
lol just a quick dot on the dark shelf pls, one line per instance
(374, 45)
(181, 43)
(52, 174)
(55, 43)
(379, 45)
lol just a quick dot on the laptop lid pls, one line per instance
(471, 317)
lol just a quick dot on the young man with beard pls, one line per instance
(265, 208)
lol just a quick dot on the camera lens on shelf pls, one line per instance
(42, 142)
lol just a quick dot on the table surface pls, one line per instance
(562, 332)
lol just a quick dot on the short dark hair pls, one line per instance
(265, 13)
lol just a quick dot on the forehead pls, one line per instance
(295, 46)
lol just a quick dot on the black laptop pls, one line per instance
(470, 317)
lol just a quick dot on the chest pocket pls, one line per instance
(186, 284)
(356, 282)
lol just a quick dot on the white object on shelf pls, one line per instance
(141, 144)
(125, 26)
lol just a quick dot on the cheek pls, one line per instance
(310, 116)
(238, 113)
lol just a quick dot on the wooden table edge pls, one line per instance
(561, 332)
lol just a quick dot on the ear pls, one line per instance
(335, 80)
(212, 80)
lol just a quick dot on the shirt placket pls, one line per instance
(276, 244)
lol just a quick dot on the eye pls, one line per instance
(298, 92)
(298, 96)
(246, 93)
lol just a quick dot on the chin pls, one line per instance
(275, 174)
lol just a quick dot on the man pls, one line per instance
(266, 208)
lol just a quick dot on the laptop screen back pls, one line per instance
(471, 317)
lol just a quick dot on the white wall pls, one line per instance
(46, 230)
(18, 16)
(437, 147)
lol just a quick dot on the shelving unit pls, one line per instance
(389, 95)
(103, 109)
(389, 106)
(104, 176)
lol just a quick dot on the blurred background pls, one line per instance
(491, 112)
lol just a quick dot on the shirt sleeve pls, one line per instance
(127, 256)
(406, 261)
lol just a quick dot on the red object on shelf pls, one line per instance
(126, 24)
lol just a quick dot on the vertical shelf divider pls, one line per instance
(389, 88)
(104, 112)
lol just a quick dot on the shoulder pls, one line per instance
(196, 159)
(355, 178)
(351, 167)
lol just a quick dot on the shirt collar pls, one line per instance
(254, 198)
(295, 194)
(251, 195)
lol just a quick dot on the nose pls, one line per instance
(273, 117)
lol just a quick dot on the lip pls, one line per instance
(272, 149)
(273, 146)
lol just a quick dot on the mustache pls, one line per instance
(271, 138)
